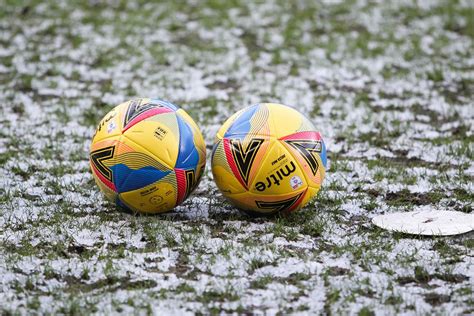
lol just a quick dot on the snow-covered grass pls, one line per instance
(390, 84)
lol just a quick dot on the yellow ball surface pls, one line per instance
(147, 155)
(268, 158)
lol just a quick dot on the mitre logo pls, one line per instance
(276, 177)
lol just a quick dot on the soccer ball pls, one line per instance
(268, 158)
(147, 155)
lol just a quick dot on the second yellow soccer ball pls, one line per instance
(268, 158)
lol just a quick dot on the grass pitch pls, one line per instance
(390, 85)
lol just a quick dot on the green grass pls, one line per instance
(397, 82)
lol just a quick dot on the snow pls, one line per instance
(52, 215)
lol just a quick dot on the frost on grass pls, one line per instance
(389, 85)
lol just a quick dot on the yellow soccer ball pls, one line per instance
(147, 155)
(268, 158)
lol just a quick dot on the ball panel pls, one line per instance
(223, 129)
(323, 155)
(200, 172)
(191, 158)
(218, 157)
(128, 179)
(245, 142)
(194, 174)
(187, 181)
(241, 124)
(165, 103)
(249, 201)
(200, 146)
(101, 154)
(96, 145)
(122, 167)
(243, 155)
(293, 121)
(259, 124)
(277, 173)
(135, 167)
(231, 161)
(307, 147)
(223, 174)
(226, 181)
(159, 136)
(135, 159)
(188, 119)
(308, 195)
(157, 197)
(250, 123)
(109, 193)
(188, 155)
(167, 119)
(199, 142)
(181, 180)
(306, 125)
(314, 181)
(141, 109)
